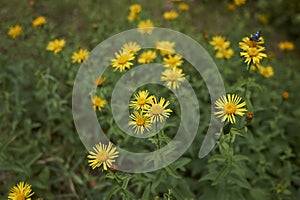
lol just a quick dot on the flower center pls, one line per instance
(252, 43)
(102, 156)
(140, 121)
(230, 108)
(252, 52)
(172, 61)
(122, 60)
(156, 109)
(141, 101)
(219, 43)
(172, 77)
(20, 197)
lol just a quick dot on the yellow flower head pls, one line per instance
(15, 31)
(100, 81)
(239, 2)
(247, 42)
(170, 15)
(173, 77)
(267, 72)
(39, 21)
(103, 155)
(56, 45)
(21, 191)
(158, 111)
(132, 16)
(225, 53)
(165, 47)
(98, 103)
(131, 47)
(80, 56)
(145, 27)
(140, 122)
(253, 55)
(147, 57)
(135, 8)
(219, 42)
(230, 6)
(141, 100)
(230, 106)
(173, 61)
(122, 60)
(286, 46)
(183, 6)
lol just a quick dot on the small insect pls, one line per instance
(256, 36)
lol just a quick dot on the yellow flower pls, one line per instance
(183, 7)
(122, 61)
(225, 53)
(253, 55)
(132, 16)
(141, 100)
(39, 21)
(219, 42)
(15, 31)
(173, 61)
(140, 122)
(145, 27)
(230, 6)
(157, 111)
(80, 56)
(100, 81)
(239, 2)
(103, 155)
(98, 103)
(21, 191)
(147, 57)
(165, 47)
(56, 45)
(173, 77)
(170, 15)
(230, 106)
(267, 72)
(135, 8)
(262, 19)
(131, 47)
(247, 42)
(286, 46)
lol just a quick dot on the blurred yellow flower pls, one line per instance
(122, 61)
(135, 8)
(39, 21)
(183, 6)
(103, 155)
(141, 100)
(131, 47)
(239, 2)
(286, 46)
(254, 55)
(170, 15)
(80, 56)
(173, 77)
(285, 95)
(158, 111)
(267, 72)
(165, 47)
(56, 45)
(21, 191)
(15, 31)
(219, 42)
(132, 16)
(99, 81)
(145, 26)
(230, 6)
(224, 53)
(147, 57)
(230, 106)
(173, 61)
(140, 122)
(262, 19)
(98, 103)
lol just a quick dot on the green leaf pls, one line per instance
(146, 193)
(222, 174)
(172, 172)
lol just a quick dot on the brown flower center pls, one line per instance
(140, 121)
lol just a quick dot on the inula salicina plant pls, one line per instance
(145, 94)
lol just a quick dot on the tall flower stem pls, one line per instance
(247, 80)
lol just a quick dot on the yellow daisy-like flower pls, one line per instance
(147, 57)
(132, 16)
(230, 106)
(286, 46)
(39, 21)
(98, 103)
(122, 61)
(140, 122)
(56, 45)
(239, 2)
(103, 155)
(99, 81)
(253, 55)
(165, 47)
(173, 61)
(267, 72)
(21, 191)
(173, 77)
(15, 31)
(170, 15)
(80, 56)
(219, 42)
(224, 53)
(131, 47)
(247, 42)
(158, 111)
(135, 8)
(230, 6)
(183, 6)
(141, 100)
(145, 27)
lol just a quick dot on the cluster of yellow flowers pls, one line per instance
(222, 47)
